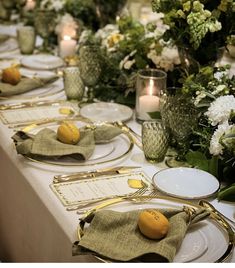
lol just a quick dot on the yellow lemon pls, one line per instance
(68, 133)
(11, 75)
(153, 224)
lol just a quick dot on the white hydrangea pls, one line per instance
(215, 146)
(168, 58)
(220, 109)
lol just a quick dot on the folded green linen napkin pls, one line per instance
(25, 85)
(45, 142)
(116, 236)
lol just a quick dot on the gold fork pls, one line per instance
(126, 129)
(136, 198)
(114, 200)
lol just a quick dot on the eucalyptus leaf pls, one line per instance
(155, 115)
(213, 166)
(198, 160)
(227, 193)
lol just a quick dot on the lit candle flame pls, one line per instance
(67, 37)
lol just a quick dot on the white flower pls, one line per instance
(200, 95)
(84, 36)
(103, 33)
(215, 147)
(220, 109)
(168, 58)
(218, 89)
(126, 63)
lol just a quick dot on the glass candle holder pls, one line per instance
(26, 37)
(149, 86)
(73, 84)
(155, 140)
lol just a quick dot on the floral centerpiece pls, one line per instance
(211, 147)
(127, 47)
(200, 27)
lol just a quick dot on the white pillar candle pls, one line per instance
(149, 102)
(67, 47)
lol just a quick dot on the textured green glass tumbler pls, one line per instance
(73, 84)
(155, 140)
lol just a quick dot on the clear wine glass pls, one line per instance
(90, 67)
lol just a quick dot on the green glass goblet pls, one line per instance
(45, 24)
(180, 118)
(90, 68)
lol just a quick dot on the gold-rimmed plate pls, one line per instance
(42, 62)
(186, 183)
(113, 150)
(207, 241)
(106, 111)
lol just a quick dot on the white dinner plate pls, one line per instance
(105, 152)
(187, 183)
(104, 111)
(42, 62)
(8, 45)
(37, 73)
(10, 30)
(204, 241)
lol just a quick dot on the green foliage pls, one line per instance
(201, 26)
(94, 14)
(197, 160)
(227, 193)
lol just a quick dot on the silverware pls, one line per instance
(93, 173)
(28, 104)
(137, 194)
(136, 199)
(30, 125)
(217, 213)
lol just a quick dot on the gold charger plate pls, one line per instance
(211, 240)
(104, 153)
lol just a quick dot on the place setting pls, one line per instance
(73, 143)
(205, 241)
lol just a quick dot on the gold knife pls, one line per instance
(28, 104)
(93, 173)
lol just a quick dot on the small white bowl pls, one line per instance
(186, 183)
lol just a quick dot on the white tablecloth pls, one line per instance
(34, 225)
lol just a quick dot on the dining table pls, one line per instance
(35, 225)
